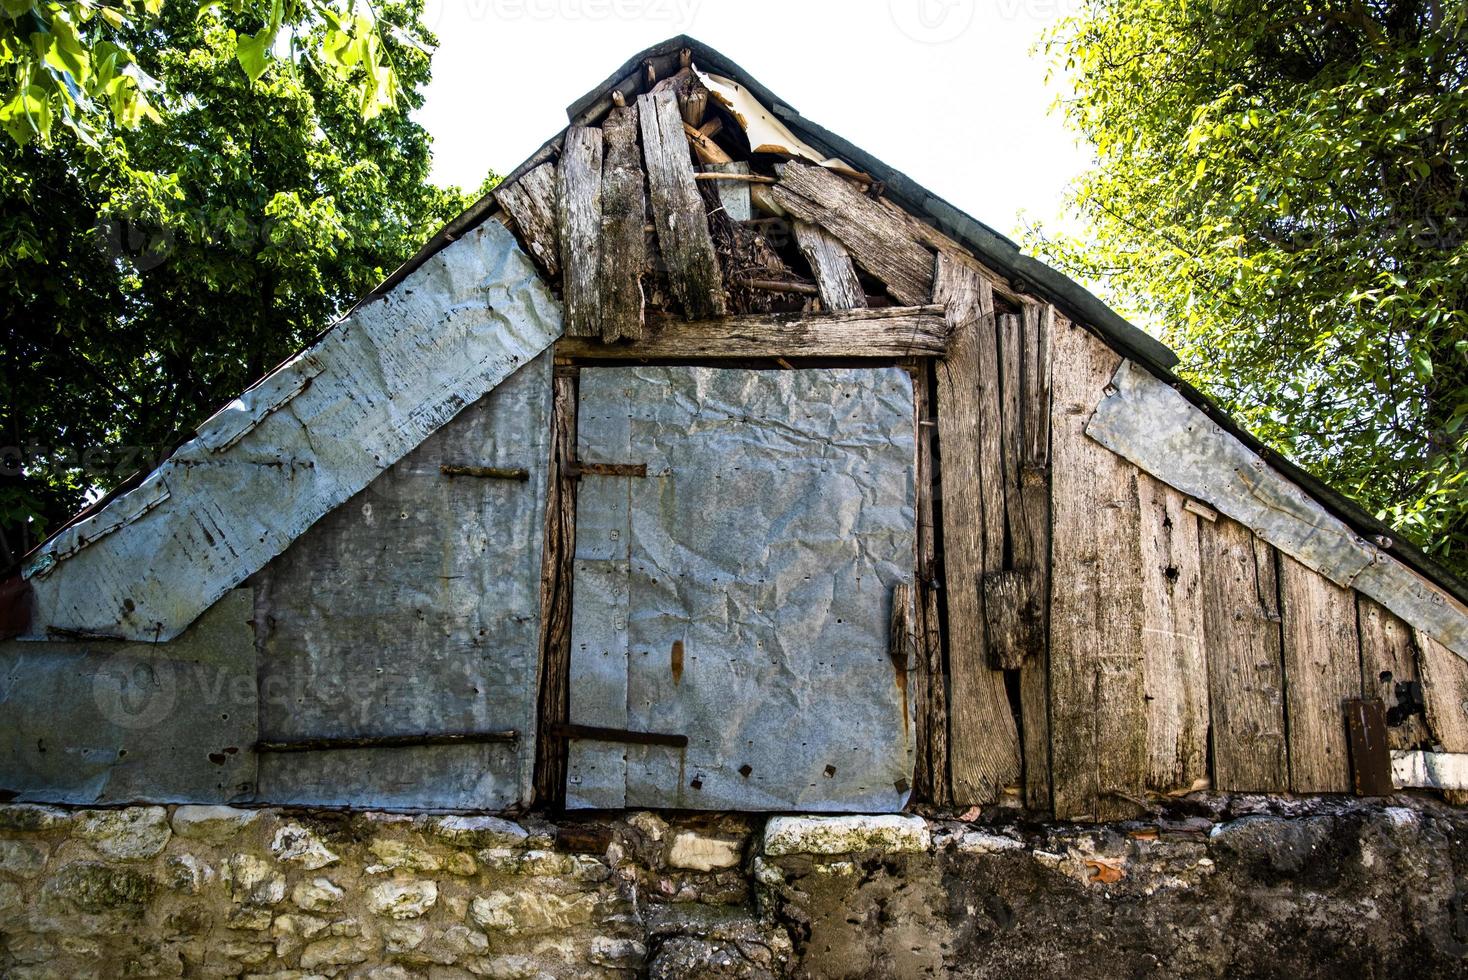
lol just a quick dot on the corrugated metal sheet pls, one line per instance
(1147, 422)
(415, 608)
(739, 594)
(122, 722)
(298, 444)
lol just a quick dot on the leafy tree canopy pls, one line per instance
(158, 257)
(1281, 188)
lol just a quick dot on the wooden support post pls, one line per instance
(557, 562)
(579, 207)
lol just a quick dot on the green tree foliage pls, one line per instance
(151, 268)
(1280, 187)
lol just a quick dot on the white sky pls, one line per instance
(946, 91)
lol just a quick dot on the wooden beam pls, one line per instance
(531, 204)
(1245, 670)
(835, 275)
(983, 740)
(1097, 714)
(579, 210)
(623, 243)
(684, 240)
(888, 333)
(1322, 661)
(557, 561)
(879, 242)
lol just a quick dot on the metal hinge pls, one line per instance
(594, 734)
(575, 470)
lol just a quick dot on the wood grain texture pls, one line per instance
(829, 261)
(1322, 662)
(983, 743)
(1389, 668)
(930, 780)
(878, 241)
(889, 332)
(623, 215)
(557, 561)
(531, 204)
(1097, 715)
(1030, 546)
(1174, 652)
(1245, 668)
(1011, 620)
(684, 241)
(1445, 692)
(579, 211)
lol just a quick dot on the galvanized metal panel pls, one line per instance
(777, 514)
(299, 443)
(415, 608)
(1152, 425)
(87, 722)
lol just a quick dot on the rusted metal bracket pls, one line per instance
(486, 472)
(576, 470)
(1371, 761)
(385, 741)
(594, 734)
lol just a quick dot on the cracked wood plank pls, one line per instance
(531, 204)
(579, 215)
(835, 275)
(1322, 667)
(623, 243)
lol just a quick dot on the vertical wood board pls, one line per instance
(579, 214)
(1322, 661)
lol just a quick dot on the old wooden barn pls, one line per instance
(710, 464)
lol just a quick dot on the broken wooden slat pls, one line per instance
(877, 241)
(733, 188)
(1447, 771)
(531, 204)
(899, 630)
(890, 332)
(1389, 672)
(1097, 721)
(983, 743)
(1322, 661)
(579, 209)
(835, 275)
(623, 214)
(684, 241)
(1371, 766)
(1245, 670)
(1174, 654)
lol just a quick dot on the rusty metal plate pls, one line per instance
(738, 593)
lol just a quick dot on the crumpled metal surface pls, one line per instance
(740, 593)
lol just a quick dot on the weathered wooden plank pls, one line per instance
(557, 560)
(1445, 692)
(835, 275)
(1174, 653)
(1322, 661)
(879, 242)
(1011, 620)
(1389, 672)
(531, 204)
(1153, 425)
(1030, 546)
(1245, 669)
(930, 780)
(889, 332)
(983, 744)
(578, 219)
(623, 214)
(1097, 715)
(733, 193)
(682, 224)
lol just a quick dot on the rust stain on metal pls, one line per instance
(486, 472)
(576, 470)
(675, 659)
(1371, 764)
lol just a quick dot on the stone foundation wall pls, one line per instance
(1215, 888)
